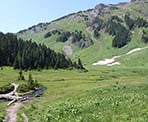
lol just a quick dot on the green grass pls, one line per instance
(94, 52)
(68, 24)
(102, 94)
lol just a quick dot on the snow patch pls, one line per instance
(112, 62)
(115, 63)
(133, 51)
(107, 62)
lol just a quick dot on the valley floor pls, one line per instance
(100, 95)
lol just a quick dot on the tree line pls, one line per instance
(120, 29)
(27, 55)
(77, 37)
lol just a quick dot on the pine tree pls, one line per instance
(21, 76)
(80, 66)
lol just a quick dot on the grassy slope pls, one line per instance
(102, 47)
(68, 24)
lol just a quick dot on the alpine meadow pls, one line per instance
(87, 66)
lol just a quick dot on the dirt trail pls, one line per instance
(25, 118)
(12, 112)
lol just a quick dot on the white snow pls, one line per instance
(112, 61)
(134, 50)
(107, 61)
(115, 63)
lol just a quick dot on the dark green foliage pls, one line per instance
(116, 19)
(140, 22)
(47, 35)
(6, 89)
(53, 32)
(21, 76)
(121, 39)
(113, 27)
(133, 23)
(56, 32)
(60, 61)
(32, 84)
(76, 36)
(27, 55)
(23, 88)
(96, 33)
(79, 39)
(98, 24)
(121, 33)
(80, 66)
(2, 118)
(64, 36)
(145, 36)
(129, 21)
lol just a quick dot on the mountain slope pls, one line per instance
(89, 47)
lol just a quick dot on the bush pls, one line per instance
(79, 39)
(2, 118)
(63, 37)
(47, 35)
(145, 37)
(21, 76)
(6, 89)
(23, 88)
(96, 33)
(55, 32)
(32, 84)
(121, 33)
(131, 23)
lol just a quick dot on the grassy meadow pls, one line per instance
(100, 95)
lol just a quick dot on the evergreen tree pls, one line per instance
(32, 84)
(21, 76)
(96, 33)
(80, 65)
(27, 55)
(129, 21)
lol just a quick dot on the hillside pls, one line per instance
(89, 66)
(74, 34)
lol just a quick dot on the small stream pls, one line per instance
(37, 93)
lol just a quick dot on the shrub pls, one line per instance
(6, 89)
(47, 35)
(121, 33)
(21, 76)
(63, 37)
(23, 88)
(145, 36)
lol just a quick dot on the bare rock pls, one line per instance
(67, 50)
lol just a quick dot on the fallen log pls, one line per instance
(13, 95)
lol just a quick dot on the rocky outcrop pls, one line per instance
(101, 9)
(139, 1)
